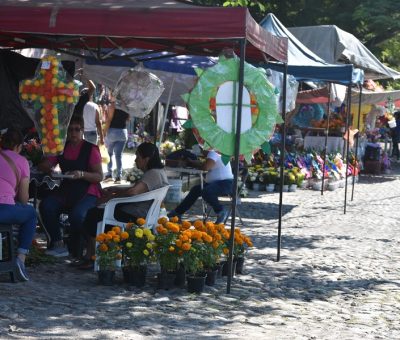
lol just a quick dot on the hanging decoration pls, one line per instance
(137, 91)
(49, 98)
(212, 106)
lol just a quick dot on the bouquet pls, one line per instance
(133, 175)
(137, 244)
(32, 151)
(108, 248)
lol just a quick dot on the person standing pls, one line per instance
(14, 195)
(116, 136)
(91, 117)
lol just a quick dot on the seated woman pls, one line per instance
(219, 181)
(76, 195)
(148, 160)
(14, 194)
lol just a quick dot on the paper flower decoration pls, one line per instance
(137, 91)
(49, 99)
(212, 104)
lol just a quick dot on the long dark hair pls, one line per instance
(151, 151)
(13, 137)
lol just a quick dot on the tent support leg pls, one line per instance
(236, 163)
(347, 144)
(282, 161)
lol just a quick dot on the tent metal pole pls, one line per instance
(326, 137)
(236, 162)
(347, 144)
(282, 161)
(358, 135)
(166, 112)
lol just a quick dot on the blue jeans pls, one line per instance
(91, 137)
(25, 216)
(115, 142)
(210, 194)
(53, 206)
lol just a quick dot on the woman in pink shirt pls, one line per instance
(77, 194)
(14, 194)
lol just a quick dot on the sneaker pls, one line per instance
(222, 216)
(108, 178)
(117, 180)
(57, 252)
(23, 276)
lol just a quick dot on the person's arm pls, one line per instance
(98, 126)
(205, 166)
(23, 190)
(118, 192)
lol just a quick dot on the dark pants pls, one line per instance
(210, 194)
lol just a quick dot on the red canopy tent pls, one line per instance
(173, 26)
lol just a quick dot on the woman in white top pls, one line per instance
(219, 181)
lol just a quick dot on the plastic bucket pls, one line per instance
(174, 194)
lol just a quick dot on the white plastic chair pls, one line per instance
(157, 196)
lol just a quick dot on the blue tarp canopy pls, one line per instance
(304, 64)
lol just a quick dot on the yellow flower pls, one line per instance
(147, 232)
(151, 237)
(146, 252)
(129, 244)
(171, 248)
(139, 233)
(149, 245)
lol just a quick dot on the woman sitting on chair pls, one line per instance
(77, 194)
(148, 160)
(14, 195)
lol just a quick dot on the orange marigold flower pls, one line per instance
(108, 237)
(186, 246)
(184, 238)
(178, 243)
(116, 229)
(174, 219)
(100, 238)
(226, 251)
(124, 235)
(116, 239)
(103, 247)
(186, 224)
(209, 224)
(140, 221)
(215, 245)
(174, 228)
(198, 224)
(111, 233)
(162, 220)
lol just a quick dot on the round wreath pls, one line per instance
(202, 106)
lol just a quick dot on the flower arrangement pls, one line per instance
(241, 243)
(137, 244)
(108, 249)
(32, 151)
(167, 147)
(133, 174)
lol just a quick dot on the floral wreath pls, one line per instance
(202, 106)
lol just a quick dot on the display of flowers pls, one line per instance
(137, 243)
(133, 174)
(167, 147)
(241, 243)
(32, 151)
(108, 248)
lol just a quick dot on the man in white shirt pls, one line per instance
(91, 117)
(219, 180)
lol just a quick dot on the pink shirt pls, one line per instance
(72, 152)
(8, 181)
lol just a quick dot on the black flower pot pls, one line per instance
(137, 276)
(106, 277)
(239, 265)
(180, 276)
(226, 266)
(166, 279)
(211, 276)
(195, 284)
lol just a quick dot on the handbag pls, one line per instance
(14, 169)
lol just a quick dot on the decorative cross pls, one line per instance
(53, 99)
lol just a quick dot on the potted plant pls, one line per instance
(167, 254)
(292, 180)
(108, 251)
(137, 251)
